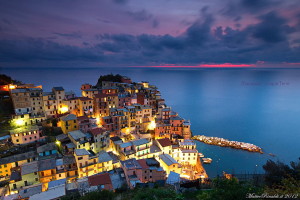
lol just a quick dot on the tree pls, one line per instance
(227, 189)
(109, 77)
(277, 171)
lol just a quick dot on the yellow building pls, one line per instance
(85, 106)
(89, 163)
(79, 139)
(68, 123)
(9, 163)
(169, 164)
(47, 170)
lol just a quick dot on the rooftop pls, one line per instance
(116, 138)
(53, 193)
(30, 191)
(97, 131)
(58, 88)
(29, 168)
(18, 157)
(99, 179)
(164, 142)
(46, 164)
(131, 164)
(68, 117)
(166, 158)
(187, 142)
(76, 135)
(104, 157)
(46, 147)
(81, 152)
(56, 183)
(140, 142)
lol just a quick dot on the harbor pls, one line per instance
(227, 143)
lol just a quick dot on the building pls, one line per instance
(7, 164)
(47, 170)
(47, 150)
(85, 106)
(27, 134)
(79, 139)
(100, 139)
(142, 171)
(27, 176)
(169, 164)
(101, 181)
(68, 123)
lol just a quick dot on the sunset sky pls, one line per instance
(168, 33)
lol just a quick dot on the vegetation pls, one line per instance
(109, 77)
(280, 179)
(6, 105)
(4, 80)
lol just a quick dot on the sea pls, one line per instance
(258, 106)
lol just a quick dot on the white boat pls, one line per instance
(201, 155)
(207, 160)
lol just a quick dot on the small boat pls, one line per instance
(201, 155)
(207, 160)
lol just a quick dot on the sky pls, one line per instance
(158, 33)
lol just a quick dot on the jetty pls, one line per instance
(227, 143)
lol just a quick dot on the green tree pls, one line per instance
(228, 189)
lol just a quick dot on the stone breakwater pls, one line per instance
(227, 143)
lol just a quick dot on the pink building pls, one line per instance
(142, 171)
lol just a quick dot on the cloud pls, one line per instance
(31, 49)
(266, 39)
(272, 28)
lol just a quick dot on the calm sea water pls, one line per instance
(257, 106)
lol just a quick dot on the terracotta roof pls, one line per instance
(84, 98)
(143, 163)
(164, 142)
(97, 131)
(99, 179)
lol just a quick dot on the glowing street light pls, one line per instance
(19, 122)
(152, 125)
(64, 109)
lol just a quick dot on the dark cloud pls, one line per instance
(30, 49)
(235, 9)
(268, 37)
(272, 28)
